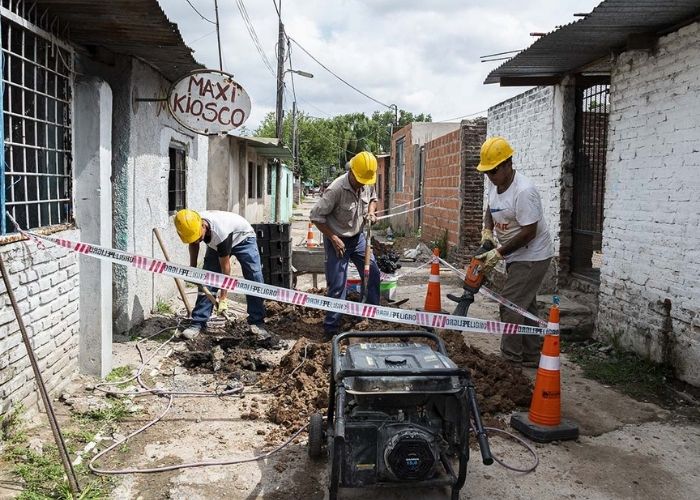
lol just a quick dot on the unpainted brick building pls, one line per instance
(434, 164)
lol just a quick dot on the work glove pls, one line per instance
(490, 259)
(222, 307)
(487, 235)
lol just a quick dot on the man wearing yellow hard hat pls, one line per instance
(225, 234)
(514, 222)
(345, 206)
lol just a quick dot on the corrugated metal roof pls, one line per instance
(133, 27)
(606, 28)
(266, 146)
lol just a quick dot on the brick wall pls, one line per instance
(45, 284)
(650, 276)
(442, 188)
(383, 163)
(539, 125)
(471, 188)
(455, 188)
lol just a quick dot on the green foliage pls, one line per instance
(163, 307)
(11, 428)
(326, 144)
(441, 244)
(42, 471)
(114, 412)
(119, 373)
(633, 375)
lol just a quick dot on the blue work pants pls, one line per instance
(247, 254)
(337, 274)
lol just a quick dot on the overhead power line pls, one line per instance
(460, 117)
(339, 78)
(199, 13)
(253, 35)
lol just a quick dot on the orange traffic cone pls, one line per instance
(433, 302)
(544, 423)
(310, 243)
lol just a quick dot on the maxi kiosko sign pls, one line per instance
(209, 102)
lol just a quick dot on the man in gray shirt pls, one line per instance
(340, 215)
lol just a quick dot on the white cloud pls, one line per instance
(421, 55)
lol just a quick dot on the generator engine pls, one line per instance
(399, 413)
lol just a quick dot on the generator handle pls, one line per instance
(400, 334)
(426, 373)
(481, 437)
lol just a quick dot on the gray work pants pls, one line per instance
(523, 279)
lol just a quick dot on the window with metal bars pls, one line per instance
(36, 176)
(177, 177)
(261, 181)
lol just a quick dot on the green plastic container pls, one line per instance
(387, 288)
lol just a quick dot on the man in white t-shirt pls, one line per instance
(514, 214)
(225, 234)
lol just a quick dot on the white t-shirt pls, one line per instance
(226, 229)
(520, 205)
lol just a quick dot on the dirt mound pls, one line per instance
(302, 388)
(500, 387)
(301, 384)
(294, 322)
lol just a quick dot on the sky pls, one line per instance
(421, 55)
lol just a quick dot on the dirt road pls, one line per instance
(627, 449)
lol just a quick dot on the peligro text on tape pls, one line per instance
(242, 286)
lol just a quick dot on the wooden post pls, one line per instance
(178, 282)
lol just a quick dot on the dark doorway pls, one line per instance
(418, 189)
(592, 103)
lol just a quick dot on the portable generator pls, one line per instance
(399, 413)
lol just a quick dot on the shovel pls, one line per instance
(368, 261)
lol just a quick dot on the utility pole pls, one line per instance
(295, 148)
(278, 115)
(218, 36)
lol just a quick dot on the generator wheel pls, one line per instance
(316, 436)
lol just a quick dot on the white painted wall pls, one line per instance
(227, 187)
(46, 286)
(422, 132)
(152, 130)
(651, 237)
(531, 122)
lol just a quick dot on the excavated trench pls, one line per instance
(299, 384)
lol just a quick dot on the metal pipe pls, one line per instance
(53, 422)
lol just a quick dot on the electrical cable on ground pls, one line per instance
(521, 441)
(171, 396)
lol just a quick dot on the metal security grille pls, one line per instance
(37, 90)
(177, 194)
(592, 100)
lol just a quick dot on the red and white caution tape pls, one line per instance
(499, 298)
(404, 211)
(398, 206)
(245, 287)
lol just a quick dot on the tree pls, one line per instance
(326, 144)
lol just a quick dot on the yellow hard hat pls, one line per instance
(364, 166)
(494, 151)
(188, 224)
